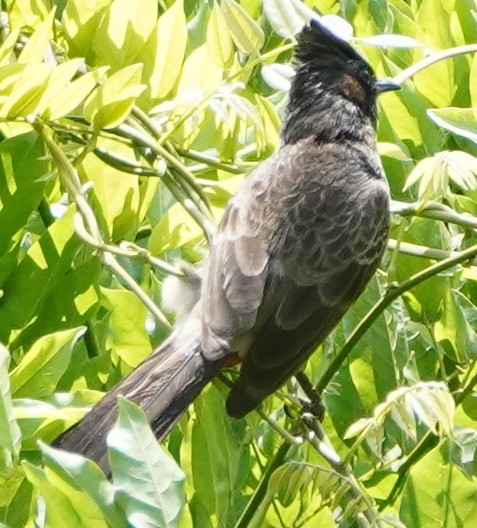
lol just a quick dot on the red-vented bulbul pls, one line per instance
(296, 246)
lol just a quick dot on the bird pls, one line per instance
(295, 248)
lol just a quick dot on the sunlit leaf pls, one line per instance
(111, 102)
(73, 94)
(42, 367)
(437, 492)
(149, 481)
(218, 38)
(170, 44)
(246, 33)
(285, 16)
(10, 437)
(85, 486)
(459, 121)
(278, 76)
(34, 50)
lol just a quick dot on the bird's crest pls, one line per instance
(317, 42)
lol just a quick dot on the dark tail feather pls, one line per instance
(163, 386)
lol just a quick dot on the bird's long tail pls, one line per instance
(164, 385)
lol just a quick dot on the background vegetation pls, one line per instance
(125, 127)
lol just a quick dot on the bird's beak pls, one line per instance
(386, 85)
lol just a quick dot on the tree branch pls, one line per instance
(393, 293)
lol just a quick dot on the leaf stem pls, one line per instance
(433, 59)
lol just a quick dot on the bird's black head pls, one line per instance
(334, 90)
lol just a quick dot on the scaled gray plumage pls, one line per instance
(297, 245)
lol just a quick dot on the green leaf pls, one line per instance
(80, 20)
(122, 32)
(437, 493)
(216, 457)
(27, 13)
(84, 484)
(15, 497)
(10, 436)
(117, 194)
(149, 481)
(199, 75)
(30, 308)
(473, 85)
(453, 332)
(8, 45)
(169, 45)
(127, 335)
(47, 419)
(110, 103)
(459, 121)
(42, 367)
(59, 510)
(27, 94)
(174, 230)
(71, 93)
(35, 48)
(245, 32)
(20, 188)
(219, 42)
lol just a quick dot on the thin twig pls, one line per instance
(318, 439)
(86, 224)
(393, 293)
(435, 211)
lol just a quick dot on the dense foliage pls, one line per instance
(125, 127)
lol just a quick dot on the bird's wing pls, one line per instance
(237, 269)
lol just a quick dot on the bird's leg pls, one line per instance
(314, 404)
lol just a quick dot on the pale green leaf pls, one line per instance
(219, 42)
(122, 32)
(80, 20)
(110, 103)
(59, 78)
(149, 480)
(28, 13)
(117, 194)
(245, 32)
(170, 45)
(59, 510)
(473, 85)
(391, 150)
(459, 121)
(84, 484)
(44, 364)
(127, 335)
(8, 46)
(73, 94)
(284, 16)
(27, 94)
(278, 76)
(199, 75)
(35, 48)
(10, 436)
